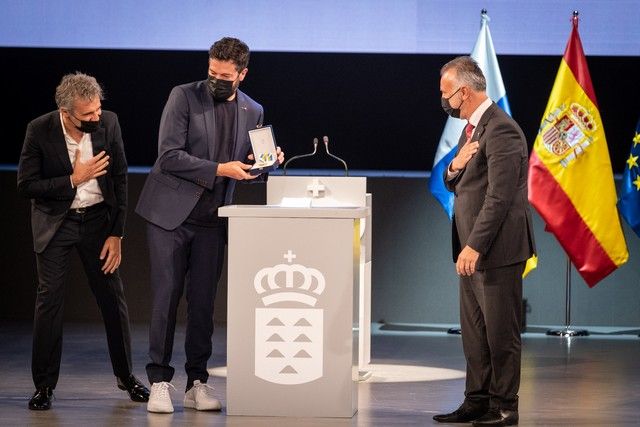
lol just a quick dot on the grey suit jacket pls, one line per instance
(44, 170)
(186, 149)
(491, 207)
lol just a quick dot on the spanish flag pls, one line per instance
(570, 177)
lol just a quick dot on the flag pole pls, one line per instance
(567, 331)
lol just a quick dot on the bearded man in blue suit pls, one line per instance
(203, 147)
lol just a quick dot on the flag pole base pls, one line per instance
(454, 331)
(566, 332)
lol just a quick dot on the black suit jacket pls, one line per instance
(44, 175)
(491, 207)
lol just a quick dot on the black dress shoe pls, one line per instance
(498, 417)
(41, 400)
(137, 391)
(464, 414)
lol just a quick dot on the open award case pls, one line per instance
(263, 145)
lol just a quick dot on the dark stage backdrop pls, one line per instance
(380, 111)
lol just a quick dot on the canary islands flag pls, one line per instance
(570, 176)
(629, 203)
(485, 55)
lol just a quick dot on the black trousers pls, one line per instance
(490, 319)
(190, 257)
(86, 233)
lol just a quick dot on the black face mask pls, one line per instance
(87, 126)
(446, 105)
(221, 90)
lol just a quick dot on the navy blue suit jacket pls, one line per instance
(186, 149)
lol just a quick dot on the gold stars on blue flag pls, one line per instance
(629, 202)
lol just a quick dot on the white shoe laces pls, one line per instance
(204, 388)
(162, 389)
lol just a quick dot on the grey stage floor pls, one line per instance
(582, 381)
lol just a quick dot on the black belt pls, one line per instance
(86, 209)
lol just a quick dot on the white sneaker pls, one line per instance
(200, 397)
(160, 399)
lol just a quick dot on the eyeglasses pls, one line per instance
(97, 112)
(457, 90)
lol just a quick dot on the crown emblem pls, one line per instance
(582, 117)
(289, 282)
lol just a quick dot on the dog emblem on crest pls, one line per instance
(288, 330)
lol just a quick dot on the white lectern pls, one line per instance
(329, 191)
(293, 281)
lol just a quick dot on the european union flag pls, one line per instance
(629, 203)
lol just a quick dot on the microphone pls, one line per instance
(300, 156)
(325, 139)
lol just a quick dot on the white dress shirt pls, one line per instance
(88, 193)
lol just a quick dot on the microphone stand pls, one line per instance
(325, 139)
(300, 156)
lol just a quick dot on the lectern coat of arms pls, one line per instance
(288, 340)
